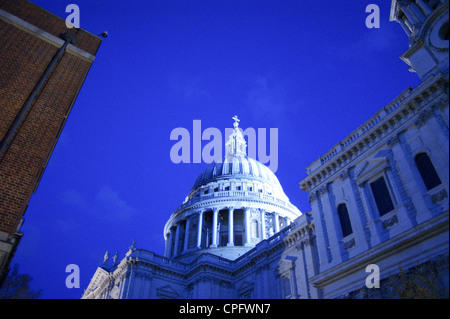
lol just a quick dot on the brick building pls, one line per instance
(43, 65)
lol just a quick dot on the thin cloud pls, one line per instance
(267, 98)
(106, 204)
(74, 199)
(372, 43)
(187, 88)
(108, 201)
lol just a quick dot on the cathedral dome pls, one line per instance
(237, 167)
(232, 206)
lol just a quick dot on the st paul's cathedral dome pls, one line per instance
(232, 206)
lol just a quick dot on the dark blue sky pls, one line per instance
(311, 69)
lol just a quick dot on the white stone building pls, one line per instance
(378, 197)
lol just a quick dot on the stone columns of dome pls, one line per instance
(214, 227)
(263, 225)
(199, 229)
(177, 240)
(277, 222)
(247, 226)
(169, 244)
(230, 226)
(186, 234)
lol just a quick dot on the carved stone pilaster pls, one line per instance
(304, 242)
(423, 116)
(344, 174)
(393, 140)
(143, 275)
(323, 189)
(312, 197)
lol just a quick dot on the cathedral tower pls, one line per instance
(426, 24)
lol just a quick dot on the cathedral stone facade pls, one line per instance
(378, 226)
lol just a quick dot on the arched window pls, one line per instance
(344, 219)
(427, 171)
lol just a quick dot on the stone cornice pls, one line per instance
(228, 196)
(390, 120)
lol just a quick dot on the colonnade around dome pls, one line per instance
(217, 227)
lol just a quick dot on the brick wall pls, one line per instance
(23, 58)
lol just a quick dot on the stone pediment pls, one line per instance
(98, 278)
(370, 167)
(285, 264)
(166, 292)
